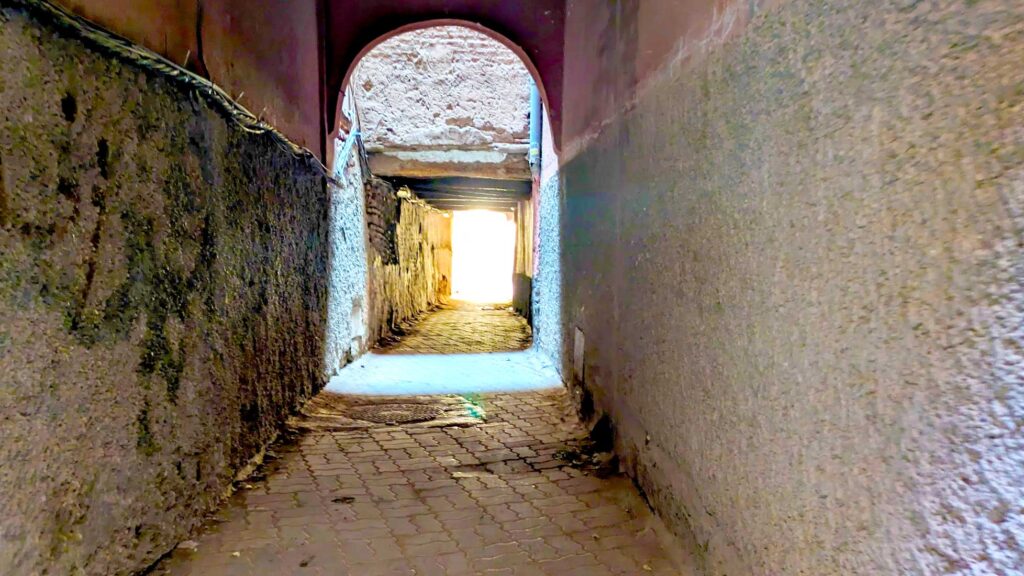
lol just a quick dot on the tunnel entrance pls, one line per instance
(440, 164)
(483, 251)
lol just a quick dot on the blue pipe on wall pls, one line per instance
(536, 126)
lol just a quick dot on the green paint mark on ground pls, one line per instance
(474, 405)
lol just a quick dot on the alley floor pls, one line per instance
(435, 484)
(459, 348)
(464, 328)
(498, 485)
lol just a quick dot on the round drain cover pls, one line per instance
(395, 413)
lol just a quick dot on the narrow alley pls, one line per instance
(511, 287)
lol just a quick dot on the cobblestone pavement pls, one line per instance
(467, 497)
(464, 328)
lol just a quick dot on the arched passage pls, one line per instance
(533, 30)
(442, 109)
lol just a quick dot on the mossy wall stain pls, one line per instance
(162, 302)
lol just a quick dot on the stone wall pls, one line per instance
(444, 101)
(546, 298)
(382, 216)
(162, 299)
(546, 287)
(796, 264)
(347, 314)
(444, 85)
(417, 277)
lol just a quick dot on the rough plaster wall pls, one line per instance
(421, 277)
(547, 273)
(441, 87)
(547, 281)
(548, 156)
(162, 295)
(347, 314)
(798, 268)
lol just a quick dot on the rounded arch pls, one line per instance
(516, 49)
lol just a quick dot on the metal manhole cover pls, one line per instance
(395, 413)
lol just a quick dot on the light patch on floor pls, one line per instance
(461, 328)
(411, 374)
(483, 252)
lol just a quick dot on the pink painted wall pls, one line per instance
(268, 50)
(166, 27)
(615, 50)
(265, 50)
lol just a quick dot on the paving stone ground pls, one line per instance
(459, 348)
(486, 489)
(486, 496)
(464, 328)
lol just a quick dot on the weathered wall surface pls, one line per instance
(162, 297)
(445, 85)
(644, 39)
(444, 101)
(546, 287)
(347, 315)
(418, 275)
(546, 296)
(382, 219)
(797, 266)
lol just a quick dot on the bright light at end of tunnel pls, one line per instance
(483, 252)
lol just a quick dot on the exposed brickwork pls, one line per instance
(418, 276)
(382, 212)
(444, 101)
(464, 328)
(492, 498)
(444, 85)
